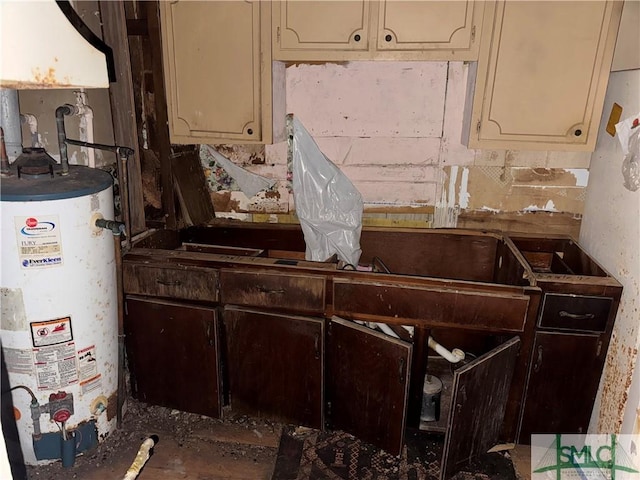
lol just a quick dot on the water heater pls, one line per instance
(58, 306)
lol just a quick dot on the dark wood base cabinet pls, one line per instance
(173, 352)
(237, 310)
(561, 389)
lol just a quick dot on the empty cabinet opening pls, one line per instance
(560, 256)
(463, 255)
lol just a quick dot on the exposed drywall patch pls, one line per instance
(489, 209)
(464, 194)
(581, 174)
(513, 189)
(446, 211)
(548, 207)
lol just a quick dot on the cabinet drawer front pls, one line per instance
(303, 293)
(435, 306)
(575, 312)
(188, 283)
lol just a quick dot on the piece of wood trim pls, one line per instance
(162, 118)
(548, 223)
(114, 30)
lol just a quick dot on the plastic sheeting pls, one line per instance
(328, 206)
(629, 136)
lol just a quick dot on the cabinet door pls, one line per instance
(304, 30)
(275, 365)
(542, 74)
(451, 27)
(212, 61)
(367, 384)
(563, 382)
(173, 355)
(479, 398)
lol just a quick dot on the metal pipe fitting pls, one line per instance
(61, 111)
(117, 228)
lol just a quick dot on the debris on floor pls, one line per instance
(190, 447)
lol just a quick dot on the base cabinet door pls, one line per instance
(275, 365)
(479, 397)
(563, 382)
(173, 355)
(367, 384)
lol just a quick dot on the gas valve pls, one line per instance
(60, 406)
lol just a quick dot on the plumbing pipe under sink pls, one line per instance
(454, 356)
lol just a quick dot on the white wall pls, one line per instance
(610, 232)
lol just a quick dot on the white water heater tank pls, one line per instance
(58, 302)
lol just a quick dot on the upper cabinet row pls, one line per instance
(380, 30)
(539, 81)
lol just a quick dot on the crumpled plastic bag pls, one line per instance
(328, 206)
(628, 132)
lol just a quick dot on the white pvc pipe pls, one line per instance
(141, 458)
(385, 328)
(86, 127)
(454, 356)
(32, 121)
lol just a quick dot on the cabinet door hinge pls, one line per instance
(478, 127)
(278, 35)
(599, 349)
(473, 33)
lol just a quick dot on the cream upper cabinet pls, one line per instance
(218, 76)
(320, 26)
(376, 30)
(542, 74)
(430, 26)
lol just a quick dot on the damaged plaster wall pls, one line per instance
(611, 234)
(43, 103)
(394, 128)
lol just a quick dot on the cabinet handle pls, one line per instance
(356, 37)
(577, 316)
(278, 291)
(169, 283)
(388, 37)
(536, 365)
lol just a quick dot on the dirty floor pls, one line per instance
(190, 447)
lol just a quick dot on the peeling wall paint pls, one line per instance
(394, 129)
(610, 233)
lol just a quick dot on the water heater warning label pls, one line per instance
(51, 332)
(39, 243)
(56, 366)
